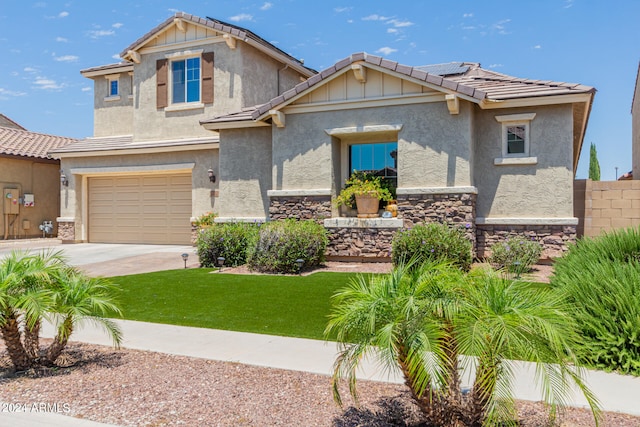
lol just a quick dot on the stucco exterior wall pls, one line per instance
(245, 173)
(42, 179)
(203, 190)
(112, 116)
(543, 190)
(434, 147)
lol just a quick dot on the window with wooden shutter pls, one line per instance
(162, 77)
(207, 77)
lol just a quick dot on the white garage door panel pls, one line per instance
(140, 209)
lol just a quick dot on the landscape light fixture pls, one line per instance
(220, 262)
(185, 256)
(212, 177)
(63, 179)
(299, 264)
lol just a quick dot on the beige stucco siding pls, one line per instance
(542, 190)
(113, 116)
(245, 173)
(433, 145)
(31, 177)
(202, 189)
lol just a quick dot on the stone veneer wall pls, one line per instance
(361, 239)
(67, 231)
(300, 207)
(553, 238)
(452, 208)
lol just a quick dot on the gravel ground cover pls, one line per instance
(138, 388)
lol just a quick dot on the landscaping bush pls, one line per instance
(430, 242)
(229, 240)
(516, 254)
(281, 243)
(601, 278)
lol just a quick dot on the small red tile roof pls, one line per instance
(20, 142)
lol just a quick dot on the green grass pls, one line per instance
(295, 306)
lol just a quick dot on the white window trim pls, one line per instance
(182, 56)
(516, 158)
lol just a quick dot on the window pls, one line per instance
(379, 159)
(185, 80)
(516, 140)
(113, 88)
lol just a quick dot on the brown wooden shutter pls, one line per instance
(207, 77)
(162, 76)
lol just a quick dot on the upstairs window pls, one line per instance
(516, 139)
(185, 80)
(113, 88)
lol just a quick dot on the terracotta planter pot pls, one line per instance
(367, 206)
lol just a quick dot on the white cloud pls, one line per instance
(66, 58)
(241, 17)
(500, 26)
(266, 6)
(467, 15)
(63, 14)
(495, 65)
(116, 56)
(386, 50)
(392, 30)
(47, 84)
(398, 24)
(568, 4)
(29, 70)
(61, 39)
(375, 17)
(537, 46)
(94, 34)
(86, 89)
(117, 25)
(342, 9)
(5, 94)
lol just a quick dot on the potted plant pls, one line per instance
(365, 191)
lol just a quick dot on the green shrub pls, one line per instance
(601, 278)
(516, 254)
(281, 243)
(229, 240)
(205, 220)
(432, 241)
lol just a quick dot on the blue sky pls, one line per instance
(44, 45)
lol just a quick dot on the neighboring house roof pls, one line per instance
(20, 142)
(102, 146)
(7, 122)
(223, 27)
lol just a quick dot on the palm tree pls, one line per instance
(421, 320)
(41, 286)
(78, 298)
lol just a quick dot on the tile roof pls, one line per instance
(106, 68)
(126, 142)
(20, 142)
(475, 82)
(234, 30)
(7, 122)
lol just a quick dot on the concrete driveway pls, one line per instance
(101, 259)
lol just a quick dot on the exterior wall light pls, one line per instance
(212, 177)
(63, 179)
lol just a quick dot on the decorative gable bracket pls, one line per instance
(278, 117)
(453, 103)
(231, 42)
(359, 72)
(180, 25)
(134, 55)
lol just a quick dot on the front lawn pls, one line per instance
(295, 306)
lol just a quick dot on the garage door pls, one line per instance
(152, 209)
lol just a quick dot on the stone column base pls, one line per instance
(66, 230)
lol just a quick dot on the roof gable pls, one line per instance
(183, 27)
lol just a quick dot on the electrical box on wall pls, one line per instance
(11, 201)
(29, 201)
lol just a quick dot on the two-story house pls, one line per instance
(492, 153)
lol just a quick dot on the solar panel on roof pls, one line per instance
(448, 69)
